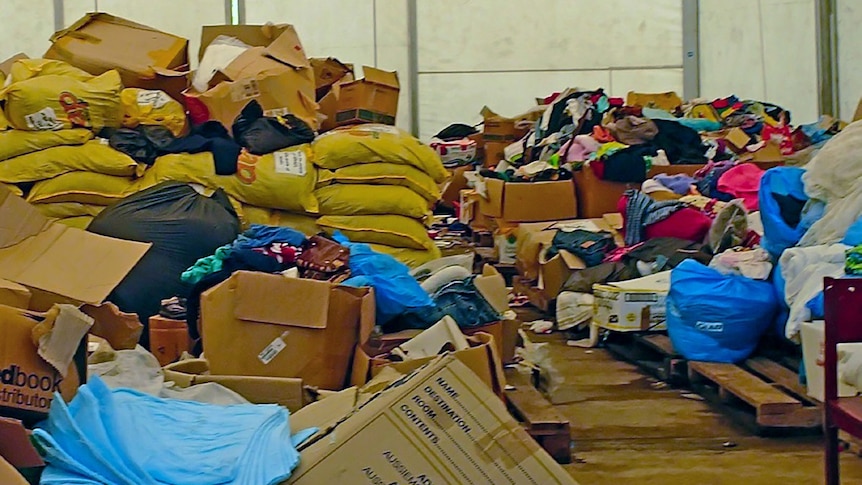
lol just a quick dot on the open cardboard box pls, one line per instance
(275, 72)
(260, 324)
(530, 201)
(438, 424)
(372, 99)
(635, 305)
(145, 57)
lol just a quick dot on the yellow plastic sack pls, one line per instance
(4, 123)
(82, 187)
(50, 103)
(17, 142)
(13, 188)
(395, 231)
(79, 222)
(24, 69)
(274, 217)
(93, 156)
(347, 200)
(281, 180)
(62, 210)
(383, 174)
(376, 143)
(413, 258)
(144, 107)
(667, 101)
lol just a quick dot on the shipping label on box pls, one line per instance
(634, 305)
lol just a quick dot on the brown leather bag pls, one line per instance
(323, 259)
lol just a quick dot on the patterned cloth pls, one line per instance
(642, 211)
(853, 261)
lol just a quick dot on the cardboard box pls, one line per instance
(498, 133)
(145, 57)
(14, 295)
(275, 72)
(482, 358)
(169, 338)
(531, 239)
(597, 197)
(461, 152)
(59, 264)
(451, 189)
(373, 99)
(287, 392)
(327, 72)
(813, 335)
(328, 104)
(530, 201)
(636, 305)
(500, 330)
(260, 324)
(469, 212)
(27, 382)
(437, 425)
(555, 271)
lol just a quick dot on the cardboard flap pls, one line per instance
(18, 219)
(492, 286)
(431, 341)
(378, 76)
(572, 261)
(287, 48)
(267, 298)
(253, 35)
(324, 414)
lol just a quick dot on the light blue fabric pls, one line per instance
(658, 114)
(697, 124)
(714, 317)
(777, 234)
(395, 290)
(123, 436)
(854, 234)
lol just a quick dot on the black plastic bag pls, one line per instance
(182, 225)
(143, 143)
(261, 134)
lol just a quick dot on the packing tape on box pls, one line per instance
(504, 445)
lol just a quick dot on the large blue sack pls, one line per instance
(714, 317)
(777, 234)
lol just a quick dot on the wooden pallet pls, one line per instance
(652, 352)
(759, 384)
(542, 421)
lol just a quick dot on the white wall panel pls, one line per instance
(27, 27)
(391, 49)
(849, 56)
(75, 9)
(336, 28)
(761, 49)
(480, 35)
(458, 98)
(179, 17)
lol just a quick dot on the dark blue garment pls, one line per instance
(261, 236)
(463, 302)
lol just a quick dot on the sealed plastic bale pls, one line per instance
(145, 107)
(388, 230)
(92, 156)
(383, 174)
(346, 200)
(281, 180)
(14, 143)
(49, 103)
(714, 317)
(372, 143)
(82, 187)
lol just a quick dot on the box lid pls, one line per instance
(492, 286)
(381, 77)
(35, 251)
(655, 282)
(253, 35)
(290, 308)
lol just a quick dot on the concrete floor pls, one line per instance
(630, 430)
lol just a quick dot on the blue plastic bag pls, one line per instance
(777, 234)
(395, 291)
(714, 317)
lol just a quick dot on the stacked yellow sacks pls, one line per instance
(376, 185)
(51, 111)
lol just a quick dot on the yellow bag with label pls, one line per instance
(346, 200)
(82, 187)
(383, 174)
(92, 156)
(376, 143)
(17, 142)
(144, 107)
(24, 69)
(413, 258)
(62, 210)
(395, 231)
(50, 103)
(79, 222)
(281, 180)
